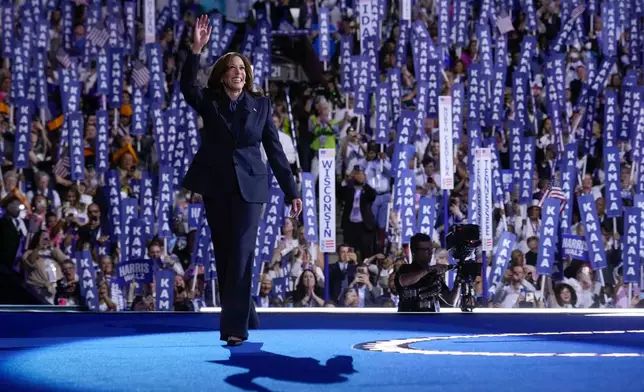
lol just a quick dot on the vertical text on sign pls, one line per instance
(149, 21)
(327, 199)
(446, 142)
(483, 156)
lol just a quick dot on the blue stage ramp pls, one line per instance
(325, 349)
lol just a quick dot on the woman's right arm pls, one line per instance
(188, 83)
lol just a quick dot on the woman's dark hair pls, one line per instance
(74, 189)
(220, 68)
(573, 295)
(35, 240)
(300, 290)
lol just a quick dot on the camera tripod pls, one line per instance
(468, 300)
(466, 274)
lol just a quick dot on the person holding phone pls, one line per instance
(367, 293)
(516, 293)
(228, 171)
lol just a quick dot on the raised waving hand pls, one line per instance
(201, 33)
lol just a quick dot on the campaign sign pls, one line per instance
(574, 246)
(87, 275)
(326, 186)
(548, 235)
(408, 212)
(596, 251)
(195, 214)
(501, 259)
(164, 279)
(309, 212)
(631, 246)
(426, 215)
(136, 270)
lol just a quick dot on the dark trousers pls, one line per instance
(233, 223)
(360, 238)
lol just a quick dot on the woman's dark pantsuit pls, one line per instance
(228, 171)
(233, 223)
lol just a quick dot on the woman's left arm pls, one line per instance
(277, 158)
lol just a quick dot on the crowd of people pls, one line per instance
(48, 216)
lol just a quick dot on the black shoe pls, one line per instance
(234, 341)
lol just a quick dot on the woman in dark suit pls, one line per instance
(229, 173)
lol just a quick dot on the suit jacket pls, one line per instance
(337, 278)
(10, 241)
(367, 198)
(230, 151)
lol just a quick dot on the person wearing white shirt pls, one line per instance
(588, 188)
(378, 173)
(303, 263)
(43, 188)
(352, 152)
(285, 140)
(516, 292)
(529, 226)
(263, 300)
(420, 145)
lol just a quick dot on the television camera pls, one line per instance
(462, 242)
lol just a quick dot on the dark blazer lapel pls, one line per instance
(248, 111)
(216, 99)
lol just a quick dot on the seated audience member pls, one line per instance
(42, 265)
(307, 293)
(263, 300)
(366, 291)
(342, 272)
(349, 298)
(303, 263)
(68, 287)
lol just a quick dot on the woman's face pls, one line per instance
(288, 227)
(90, 132)
(127, 161)
(308, 279)
(6, 84)
(565, 295)
(459, 68)
(106, 265)
(276, 121)
(51, 221)
(34, 137)
(305, 257)
(44, 240)
(235, 75)
(71, 197)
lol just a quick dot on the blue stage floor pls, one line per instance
(311, 352)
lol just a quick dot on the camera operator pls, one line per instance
(420, 285)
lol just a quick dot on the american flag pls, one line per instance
(98, 36)
(140, 75)
(577, 11)
(63, 58)
(504, 23)
(554, 192)
(61, 168)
